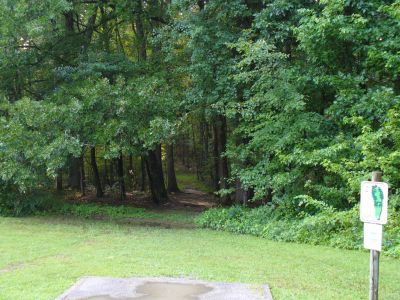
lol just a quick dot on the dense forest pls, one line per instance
(275, 102)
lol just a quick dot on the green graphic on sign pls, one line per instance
(377, 195)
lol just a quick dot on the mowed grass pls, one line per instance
(43, 256)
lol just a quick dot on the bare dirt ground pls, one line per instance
(187, 200)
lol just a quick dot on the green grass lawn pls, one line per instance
(41, 257)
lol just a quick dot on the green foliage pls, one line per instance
(70, 80)
(16, 204)
(190, 181)
(280, 133)
(34, 142)
(90, 211)
(208, 34)
(107, 212)
(319, 100)
(340, 229)
(309, 89)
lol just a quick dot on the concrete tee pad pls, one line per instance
(101, 288)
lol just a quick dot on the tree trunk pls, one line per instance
(223, 161)
(96, 175)
(121, 181)
(131, 172)
(106, 178)
(158, 152)
(89, 32)
(140, 33)
(59, 181)
(69, 21)
(241, 195)
(171, 176)
(74, 173)
(112, 172)
(222, 171)
(156, 178)
(83, 177)
(194, 153)
(215, 170)
(204, 147)
(143, 173)
(153, 159)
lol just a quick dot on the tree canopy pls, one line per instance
(271, 101)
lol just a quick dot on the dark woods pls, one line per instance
(264, 101)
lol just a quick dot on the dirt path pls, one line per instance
(192, 199)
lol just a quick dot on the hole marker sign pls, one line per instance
(374, 202)
(373, 236)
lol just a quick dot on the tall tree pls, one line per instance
(96, 174)
(121, 179)
(153, 158)
(172, 184)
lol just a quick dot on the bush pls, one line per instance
(341, 229)
(16, 204)
(94, 211)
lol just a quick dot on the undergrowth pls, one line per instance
(94, 211)
(330, 227)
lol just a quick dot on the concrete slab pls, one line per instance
(103, 288)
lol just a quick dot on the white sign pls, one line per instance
(374, 202)
(373, 236)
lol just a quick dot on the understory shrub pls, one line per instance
(88, 211)
(329, 227)
(17, 204)
(107, 212)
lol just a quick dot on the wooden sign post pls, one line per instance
(373, 212)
